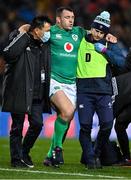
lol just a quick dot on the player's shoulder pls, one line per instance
(79, 30)
(53, 28)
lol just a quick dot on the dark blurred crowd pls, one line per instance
(14, 13)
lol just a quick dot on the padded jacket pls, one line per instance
(18, 83)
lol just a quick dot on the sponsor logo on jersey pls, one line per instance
(68, 47)
(58, 36)
(68, 55)
(75, 37)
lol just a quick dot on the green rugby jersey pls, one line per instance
(64, 51)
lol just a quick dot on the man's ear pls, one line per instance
(36, 30)
(58, 20)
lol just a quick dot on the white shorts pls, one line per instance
(68, 89)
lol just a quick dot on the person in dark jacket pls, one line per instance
(94, 87)
(122, 110)
(26, 86)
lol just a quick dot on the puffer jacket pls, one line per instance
(18, 83)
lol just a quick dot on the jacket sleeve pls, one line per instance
(16, 46)
(128, 61)
(115, 56)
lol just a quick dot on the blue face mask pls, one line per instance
(45, 37)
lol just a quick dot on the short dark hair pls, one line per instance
(61, 9)
(38, 22)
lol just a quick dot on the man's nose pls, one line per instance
(71, 20)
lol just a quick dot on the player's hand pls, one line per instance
(111, 38)
(100, 47)
(24, 28)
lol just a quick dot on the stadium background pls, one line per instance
(14, 13)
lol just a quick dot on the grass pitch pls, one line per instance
(72, 169)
